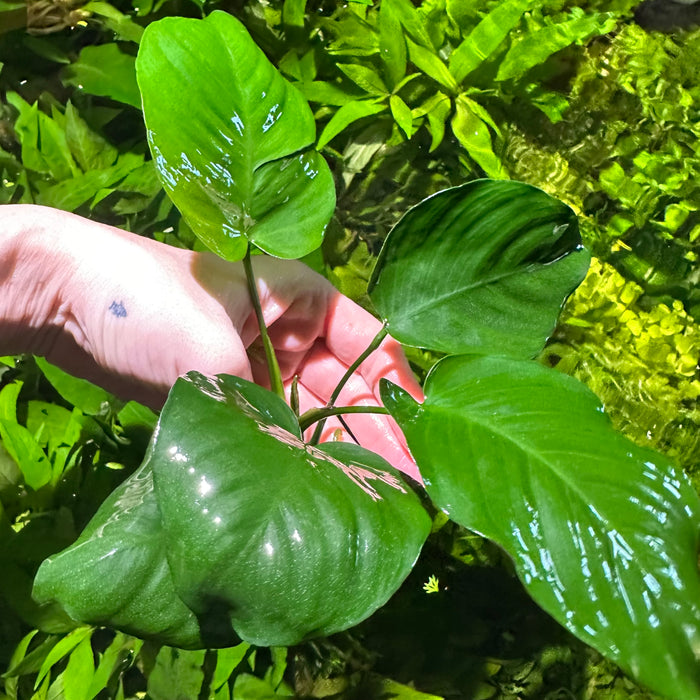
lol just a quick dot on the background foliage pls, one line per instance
(574, 97)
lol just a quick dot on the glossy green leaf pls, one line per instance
(116, 573)
(537, 46)
(289, 539)
(348, 114)
(474, 135)
(279, 553)
(231, 153)
(485, 38)
(106, 71)
(484, 267)
(603, 533)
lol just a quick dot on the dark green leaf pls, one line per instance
(484, 267)
(229, 153)
(485, 38)
(122, 25)
(474, 135)
(348, 114)
(286, 538)
(537, 46)
(106, 71)
(117, 573)
(603, 533)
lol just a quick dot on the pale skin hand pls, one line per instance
(132, 315)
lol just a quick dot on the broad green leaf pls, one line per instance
(475, 136)
(484, 267)
(230, 153)
(402, 115)
(348, 114)
(116, 573)
(106, 71)
(235, 540)
(432, 65)
(287, 539)
(366, 78)
(90, 150)
(603, 533)
(85, 395)
(538, 46)
(485, 38)
(392, 45)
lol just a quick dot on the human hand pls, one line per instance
(132, 315)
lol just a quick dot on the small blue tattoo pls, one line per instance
(117, 308)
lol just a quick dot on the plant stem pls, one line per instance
(344, 380)
(272, 364)
(313, 415)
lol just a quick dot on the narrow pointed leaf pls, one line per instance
(348, 114)
(538, 46)
(288, 539)
(485, 38)
(603, 533)
(474, 135)
(230, 138)
(484, 267)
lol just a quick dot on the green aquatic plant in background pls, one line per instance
(90, 155)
